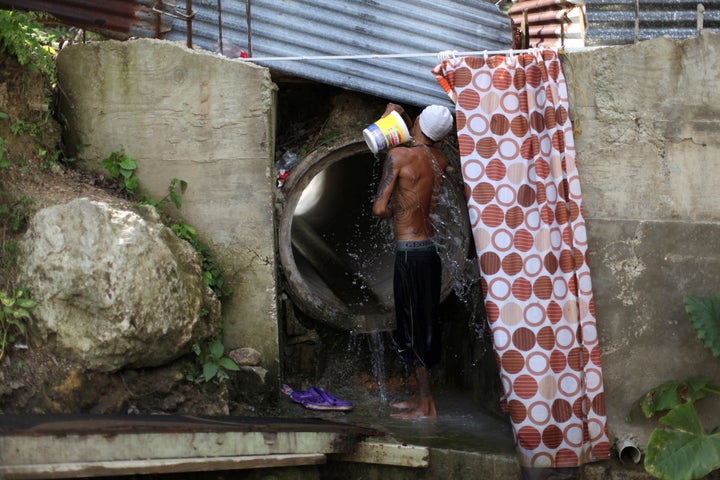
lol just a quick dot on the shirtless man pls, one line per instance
(408, 193)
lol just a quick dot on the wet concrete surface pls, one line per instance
(461, 424)
(465, 441)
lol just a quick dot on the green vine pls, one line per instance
(212, 275)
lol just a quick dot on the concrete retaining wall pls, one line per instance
(647, 119)
(201, 118)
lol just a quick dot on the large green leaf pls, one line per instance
(210, 370)
(217, 349)
(228, 364)
(127, 163)
(683, 418)
(704, 313)
(671, 394)
(682, 452)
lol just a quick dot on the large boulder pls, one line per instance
(115, 289)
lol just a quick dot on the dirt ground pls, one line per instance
(34, 378)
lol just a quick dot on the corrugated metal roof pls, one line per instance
(128, 17)
(620, 22)
(297, 28)
(282, 28)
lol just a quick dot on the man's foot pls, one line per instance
(413, 402)
(424, 409)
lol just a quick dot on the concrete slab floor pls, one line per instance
(465, 442)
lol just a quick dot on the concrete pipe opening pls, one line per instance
(337, 258)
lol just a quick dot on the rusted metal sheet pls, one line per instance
(83, 424)
(60, 446)
(123, 468)
(140, 18)
(549, 23)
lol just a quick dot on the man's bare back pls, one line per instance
(410, 189)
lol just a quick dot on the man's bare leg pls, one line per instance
(411, 402)
(421, 405)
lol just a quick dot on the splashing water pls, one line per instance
(376, 346)
(377, 351)
(464, 272)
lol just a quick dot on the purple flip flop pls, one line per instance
(332, 402)
(318, 399)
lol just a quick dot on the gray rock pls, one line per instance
(114, 289)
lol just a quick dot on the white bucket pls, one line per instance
(387, 132)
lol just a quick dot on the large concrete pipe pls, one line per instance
(336, 257)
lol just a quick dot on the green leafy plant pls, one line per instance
(683, 449)
(22, 366)
(173, 196)
(14, 212)
(215, 365)
(8, 259)
(20, 127)
(122, 167)
(212, 275)
(4, 161)
(25, 39)
(53, 159)
(14, 313)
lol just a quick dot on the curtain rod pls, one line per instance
(440, 55)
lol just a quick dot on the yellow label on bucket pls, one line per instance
(387, 132)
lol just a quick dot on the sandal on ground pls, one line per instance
(317, 399)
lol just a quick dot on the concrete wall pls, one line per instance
(201, 118)
(647, 119)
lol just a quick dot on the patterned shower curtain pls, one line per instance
(523, 196)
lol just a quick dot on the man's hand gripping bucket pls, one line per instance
(386, 133)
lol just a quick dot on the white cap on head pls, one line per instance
(436, 121)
